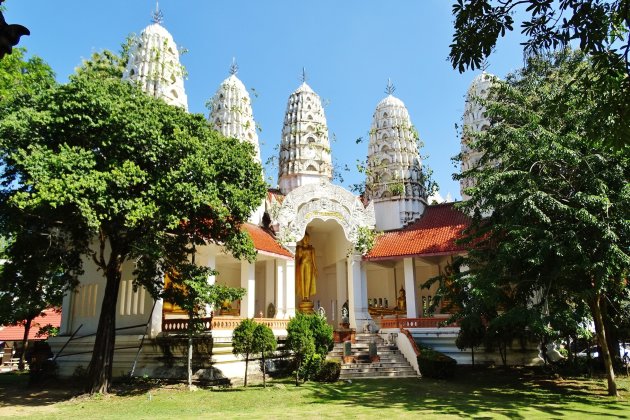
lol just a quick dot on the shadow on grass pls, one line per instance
(479, 392)
(15, 391)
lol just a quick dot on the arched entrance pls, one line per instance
(332, 217)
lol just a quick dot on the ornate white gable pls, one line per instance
(323, 201)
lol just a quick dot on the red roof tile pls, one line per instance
(16, 332)
(433, 234)
(264, 241)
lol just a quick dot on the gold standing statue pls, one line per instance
(305, 274)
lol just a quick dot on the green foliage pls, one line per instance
(21, 78)
(310, 367)
(300, 341)
(322, 333)
(310, 338)
(471, 333)
(551, 204)
(329, 371)
(599, 27)
(243, 338)
(125, 177)
(264, 341)
(434, 364)
(366, 239)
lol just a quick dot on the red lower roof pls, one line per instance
(434, 233)
(16, 332)
(264, 241)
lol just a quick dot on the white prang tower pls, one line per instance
(475, 120)
(304, 156)
(395, 182)
(231, 115)
(154, 64)
(231, 111)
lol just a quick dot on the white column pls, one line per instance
(66, 313)
(248, 282)
(280, 289)
(342, 288)
(410, 287)
(357, 294)
(270, 283)
(290, 289)
(210, 262)
(155, 326)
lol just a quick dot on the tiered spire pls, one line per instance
(475, 120)
(154, 63)
(395, 180)
(231, 110)
(304, 148)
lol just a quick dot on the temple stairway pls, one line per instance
(391, 364)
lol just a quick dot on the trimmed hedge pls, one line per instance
(329, 371)
(434, 364)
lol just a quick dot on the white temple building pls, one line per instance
(382, 287)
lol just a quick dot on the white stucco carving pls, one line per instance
(231, 112)
(154, 65)
(323, 201)
(394, 181)
(304, 155)
(475, 120)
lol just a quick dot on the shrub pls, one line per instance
(434, 364)
(311, 367)
(329, 371)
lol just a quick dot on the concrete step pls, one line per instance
(391, 364)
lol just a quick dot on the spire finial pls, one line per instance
(158, 16)
(390, 89)
(233, 67)
(304, 75)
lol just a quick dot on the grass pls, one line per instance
(487, 393)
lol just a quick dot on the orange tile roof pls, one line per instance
(434, 233)
(264, 241)
(16, 332)
(275, 193)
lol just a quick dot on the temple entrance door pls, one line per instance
(330, 247)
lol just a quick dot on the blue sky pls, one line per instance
(348, 47)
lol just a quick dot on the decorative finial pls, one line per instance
(303, 75)
(158, 16)
(390, 89)
(233, 67)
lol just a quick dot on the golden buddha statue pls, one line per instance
(401, 301)
(305, 274)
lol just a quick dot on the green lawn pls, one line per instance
(489, 393)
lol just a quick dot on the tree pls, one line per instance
(300, 341)
(127, 178)
(322, 333)
(598, 27)
(264, 343)
(551, 201)
(243, 341)
(191, 291)
(472, 333)
(37, 272)
(38, 267)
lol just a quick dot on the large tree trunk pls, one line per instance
(27, 330)
(190, 354)
(612, 336)
(595, 305)
(100, 369)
